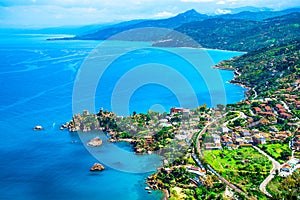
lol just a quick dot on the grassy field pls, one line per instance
(275, 150)
(244, 167)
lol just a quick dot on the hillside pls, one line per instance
(269, 69)
(177, 21)
(236, 34)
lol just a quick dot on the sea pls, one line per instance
(45, 82)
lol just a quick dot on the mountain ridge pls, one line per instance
(174, 22)
(237, 34)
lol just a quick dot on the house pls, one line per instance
(179, 110)
(293, 96)
(259, 139)
(286, 168)
(148, 139)
(278, 107)
(257, 110)
(212, 146)
(296, 142)
(298, 104)
(248, 140)
(282, 110)
(247, 102)
(175, 110)
(286, 116)
(231, 146)
(245, 133)
(226, 140)
(186, 111)
(165, 125)
(225, 129)
(239, 141)
(216, 138)
(255, 131)
(250, 120)
(211, 130)
(163, 120)
(280, 136)
(268, 109)
(273, 128)
(267, 114)
(245, 145)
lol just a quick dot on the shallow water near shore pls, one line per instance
(37, 78)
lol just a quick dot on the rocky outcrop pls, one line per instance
(97, 167)
(96, 142)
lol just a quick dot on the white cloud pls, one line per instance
(164, 14)
(196, 1)
(44, 13)
(220, 11)
(221, 2)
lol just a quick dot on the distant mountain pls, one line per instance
(237, 34)
(258, 15)
(106, 32)
(72, 30)
(170, 23)
(247, 9)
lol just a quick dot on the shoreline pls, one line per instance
(234, 81)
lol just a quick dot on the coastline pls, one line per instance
(234, 81)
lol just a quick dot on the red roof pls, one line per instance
(257, 109)
(267, 113)
(282, 110)
(268, 108)
(285, 115)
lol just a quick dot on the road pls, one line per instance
(241, 115)
(285, 106)
(226, 182)
(255, 93)
(209, 167)
(276, 166)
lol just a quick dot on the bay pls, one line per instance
(37, 81)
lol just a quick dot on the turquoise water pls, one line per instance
(37, 78)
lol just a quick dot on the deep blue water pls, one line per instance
(37, 78)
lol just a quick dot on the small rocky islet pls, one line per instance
(97, 167)
(95, 142)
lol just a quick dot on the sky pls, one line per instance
(52, 13)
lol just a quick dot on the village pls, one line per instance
(255, 136)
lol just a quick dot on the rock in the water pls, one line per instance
(38, 128)
(97, 167)
(96, 142)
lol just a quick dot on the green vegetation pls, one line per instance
(279, 151)
(269, 69)
(297, 154)
(285, 188)
(244, 167)
(178, 176)
(237, 34)
(214, 192)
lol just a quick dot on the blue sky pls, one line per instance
(50, 13)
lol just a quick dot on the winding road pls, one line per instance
(241, 115)
(209, 167)
(276, 166)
